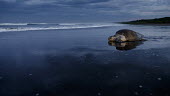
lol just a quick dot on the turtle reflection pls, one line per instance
(125, 45)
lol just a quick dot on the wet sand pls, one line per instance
(81, 63)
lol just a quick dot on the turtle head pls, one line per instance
(112, 38)
(117, 38)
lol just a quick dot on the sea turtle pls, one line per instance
(126, 35)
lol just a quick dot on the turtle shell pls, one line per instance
(130, 35)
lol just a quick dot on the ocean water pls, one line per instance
(6, 27)
(75, 59)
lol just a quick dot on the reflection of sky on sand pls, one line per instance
(60, 63)
(90, 72)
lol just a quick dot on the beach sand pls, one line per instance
(80, 62)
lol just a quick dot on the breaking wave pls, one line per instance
(7, 27)
(13, 24)
(5, 24)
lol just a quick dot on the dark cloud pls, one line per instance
(87, 8)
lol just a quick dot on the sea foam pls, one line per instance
(50, 26)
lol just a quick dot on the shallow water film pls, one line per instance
(81, 62)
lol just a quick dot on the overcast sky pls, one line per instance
(81, 10)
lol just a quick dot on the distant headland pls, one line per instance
(156, 21)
